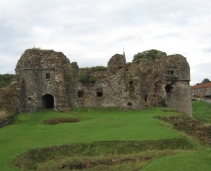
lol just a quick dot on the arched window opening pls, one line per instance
(47, 76)
(131, 87)
(168, 88)
(80, 93)
(48, 101)
(99, 94)
(129, 104)
(145, 98)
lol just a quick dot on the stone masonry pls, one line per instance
(47, 79)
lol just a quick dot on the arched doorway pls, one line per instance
(168, 88)
(47, 101)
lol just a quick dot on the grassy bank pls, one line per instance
(190, 161)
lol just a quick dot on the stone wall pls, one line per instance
(140, 85)
(41, 75)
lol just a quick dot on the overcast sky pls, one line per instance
(91, 31)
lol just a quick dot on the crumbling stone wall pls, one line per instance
(41, 77)
(10, 99)
(140, 85)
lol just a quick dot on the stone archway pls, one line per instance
(48, 101)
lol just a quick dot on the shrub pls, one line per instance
(93, 79)
(83, 77)
(73, 64)
(148, 54)
(6, 79)
(99, 68)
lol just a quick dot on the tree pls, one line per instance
(6, 79)
(148, 54)
(206, 80)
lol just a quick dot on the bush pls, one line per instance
(87, 79)
(6, 79)
(148, 54)
(73, 64)
(83, 77)
(99, 68)
(93, 79)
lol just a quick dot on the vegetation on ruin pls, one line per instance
(98, 68)
(93, 79)
(148, 54)
(104, 139)
(37, 49)
(73, 64)
(6, 79)
(84, 78)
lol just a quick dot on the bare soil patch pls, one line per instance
(107, 162)
(190, 126)
(55, 121)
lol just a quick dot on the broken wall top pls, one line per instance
(41, 59)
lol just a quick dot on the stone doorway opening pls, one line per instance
(168, 88)
(48, 101)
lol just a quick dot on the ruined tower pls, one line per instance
(41, 77)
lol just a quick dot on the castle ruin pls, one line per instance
(47, 79)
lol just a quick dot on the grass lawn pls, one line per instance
(191, 161)
(28, 132)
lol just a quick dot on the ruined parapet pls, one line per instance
(41, 76)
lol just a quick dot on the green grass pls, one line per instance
(201, 111)
(102, 134)
(27, 131)
(192, 161)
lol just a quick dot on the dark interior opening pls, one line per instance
(145, 98)
(131, 87)
(99, 94)
(47, 76)
(129, 104)
(48, 101)
(80, 93)
(168, 88)
(170, 72)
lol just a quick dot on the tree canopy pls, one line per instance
(6, 79)
(148, 54)
(206, 80)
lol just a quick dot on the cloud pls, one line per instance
(90, 32)
(208, 50)
(199, 72)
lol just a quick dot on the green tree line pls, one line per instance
(6, 79)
